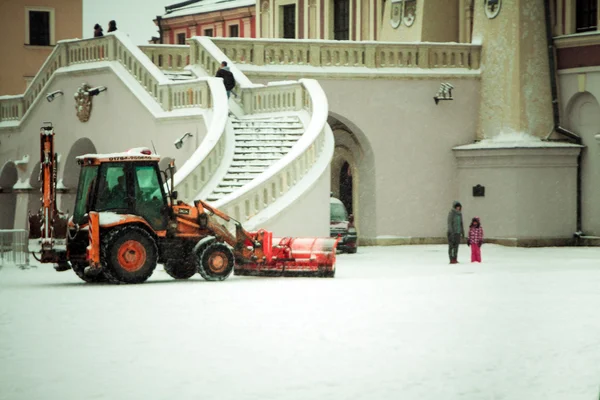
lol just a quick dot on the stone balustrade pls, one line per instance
(273, 98)
(350, 54)
(168, 57)
(189, 94)
(170, 95)
(11, 108)
(192, 183)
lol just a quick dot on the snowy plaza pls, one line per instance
(395, 323)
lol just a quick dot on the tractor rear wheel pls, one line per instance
(129, 255)
(181, 269)
(80, 272)
(216, 262)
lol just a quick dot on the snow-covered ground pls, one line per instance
(395, 323)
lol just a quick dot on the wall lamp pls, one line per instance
(444, 93)
(179, 142)
(50, 96)
(97, 90)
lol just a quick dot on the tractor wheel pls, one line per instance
(181, 269)
(80, 271)
(129, 255)
(216, 262)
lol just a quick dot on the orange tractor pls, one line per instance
(126, 220)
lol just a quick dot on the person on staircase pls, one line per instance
(228, 79)
(456, 231)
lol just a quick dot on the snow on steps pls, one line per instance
(259, 143)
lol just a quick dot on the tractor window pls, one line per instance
(84, 191)
(112, 188)
(149, 197)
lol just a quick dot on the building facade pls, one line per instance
(232, 18)
(517, 145)
(29, 30)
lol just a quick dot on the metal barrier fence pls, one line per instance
(14, 247)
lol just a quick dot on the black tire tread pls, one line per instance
(205, 254)
(106, 243)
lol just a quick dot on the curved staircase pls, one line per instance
(259, 143)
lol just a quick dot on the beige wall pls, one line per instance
(18, 60)
(406, 174)
(440, 21)
(530, 193)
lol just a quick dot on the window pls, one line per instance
(587, 15)
(150, 201)
(341, 20)
(289, 21)
(181, 38)
(87, 179)
(39, 26)
(208, 32)
(234, 30)
(112, 188)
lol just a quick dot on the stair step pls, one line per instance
(257, 162)
(263, 144)
(240, 177)
(252, 157)
(277, 119)
(241, 131)
(267, 137)
(259, 152)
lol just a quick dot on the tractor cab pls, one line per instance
(123, 183)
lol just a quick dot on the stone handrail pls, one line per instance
(112, 47)
(168, 57)
(280, 178)
(199, 168)
(325, 53)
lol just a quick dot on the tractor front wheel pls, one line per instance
(216, 262)
(181, 269)
(129, 255)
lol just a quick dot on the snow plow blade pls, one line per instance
(293, 257)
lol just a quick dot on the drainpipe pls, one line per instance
(556, 113)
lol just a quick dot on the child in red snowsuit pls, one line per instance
(475, 239)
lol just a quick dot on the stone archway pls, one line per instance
(583, 114)
(352, 175)
(71, 170)
(8, 198)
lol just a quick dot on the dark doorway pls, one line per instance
(587, 15)
(341, 19)
(181, 38)
(289, 21)
(346, 187)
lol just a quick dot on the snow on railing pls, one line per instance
(168, 57)
(280, 178)
(112, 47)
(327, 53)
(199, 168)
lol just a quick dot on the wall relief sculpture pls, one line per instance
(83, 103)
(492, 8)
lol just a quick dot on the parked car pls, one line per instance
(342, 225)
